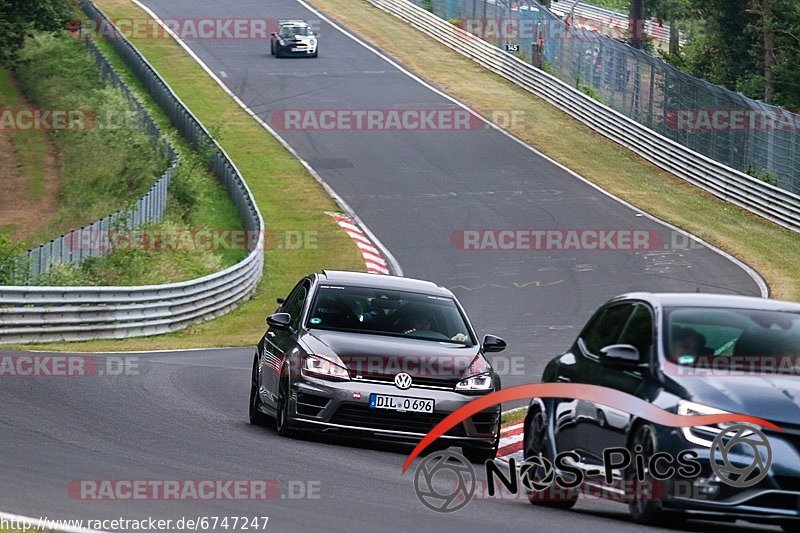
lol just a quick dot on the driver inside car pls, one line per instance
(686, 341)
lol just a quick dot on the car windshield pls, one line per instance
(722, 335)
(288, 31)
(389, 312)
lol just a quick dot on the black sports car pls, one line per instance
(378, 356)
(688, 354)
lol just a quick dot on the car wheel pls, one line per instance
(257, 418)
(316, 52)
(283, 418)
(601, 419)
(643, 507)
(535, 445)
(272, 48)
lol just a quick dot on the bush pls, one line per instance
(20, 17)
(762, 174)
(12, 263)
(590, 91)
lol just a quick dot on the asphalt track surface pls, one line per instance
(183, 415)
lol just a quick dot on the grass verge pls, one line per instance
(131, 163)
(513, 416)
(768, 248)
(290, 200)
(57, 73)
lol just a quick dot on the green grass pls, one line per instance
(31, 147)
(513, 416)
(289, 198)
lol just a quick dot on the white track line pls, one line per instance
(394, 265)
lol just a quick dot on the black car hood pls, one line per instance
(773, 398)
(378, 355)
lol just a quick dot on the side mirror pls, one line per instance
(493, 344)
(273, 34)
(280, 300)
(280, 321)
(620, 356)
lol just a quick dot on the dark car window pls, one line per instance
(606, 327)
(294, 303)
(638, 331)
(289, 31)
(389, 312)
(724, 333)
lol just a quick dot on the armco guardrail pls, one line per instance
(768, 201)
(42, 314)
(77, 245)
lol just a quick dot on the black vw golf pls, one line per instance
(377, 356)
(690, 354)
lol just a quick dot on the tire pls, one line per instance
(646, 511)
(257, 417)
(282, 416)
(316, 52)
(272, 47)
(535, 444)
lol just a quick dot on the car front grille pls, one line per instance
(424, 382)
(362, 416)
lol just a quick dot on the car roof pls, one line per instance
(699, 299)
(380, 281)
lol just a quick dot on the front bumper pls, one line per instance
(298, 49)
(775, 499)
(343, 406)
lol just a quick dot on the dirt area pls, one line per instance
(22, 211)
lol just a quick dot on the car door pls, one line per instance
(571, 416)
(604, 426)
(278, 342)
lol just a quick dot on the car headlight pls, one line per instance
(312, 42)
(322, 368)
(282, 42)
(479, 383)
(702, 435)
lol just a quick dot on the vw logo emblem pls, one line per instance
(402, 381)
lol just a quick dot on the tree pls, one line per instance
(636, 24)
(671, 12)
(19, 17)
(751, 46)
